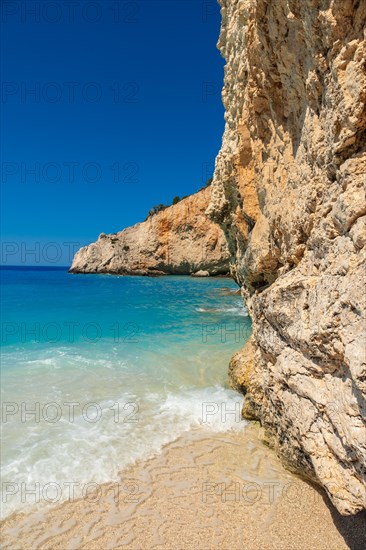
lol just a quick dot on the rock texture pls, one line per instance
(289, 193)
(179, 240)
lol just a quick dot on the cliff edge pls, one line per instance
(289, 193)
(179, 240)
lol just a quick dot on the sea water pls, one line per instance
(98, 371)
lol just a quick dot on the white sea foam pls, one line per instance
(236, 310)
(169, 379)
(83, 451)
(216, 409)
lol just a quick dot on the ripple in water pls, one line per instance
(146, 362)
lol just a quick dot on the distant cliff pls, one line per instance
(179, 240)
(289, 193)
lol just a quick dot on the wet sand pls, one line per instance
(221, 491)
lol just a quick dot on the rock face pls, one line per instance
(179, 240)
(289, 193)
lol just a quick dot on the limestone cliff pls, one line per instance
(178, 240)
(289, 193)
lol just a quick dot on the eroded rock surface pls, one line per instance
(179, 240)
(289, 193)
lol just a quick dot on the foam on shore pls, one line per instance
(202, 492)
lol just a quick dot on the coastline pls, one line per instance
(134, 389)
(202, 491)
(121, 427)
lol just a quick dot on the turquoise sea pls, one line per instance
(98, 371)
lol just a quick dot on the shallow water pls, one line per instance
(204, 490)
(98, 371)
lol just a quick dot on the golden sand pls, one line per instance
(223, 491)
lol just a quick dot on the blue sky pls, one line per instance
(108, 108)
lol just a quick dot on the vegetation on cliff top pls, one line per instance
(160, 207)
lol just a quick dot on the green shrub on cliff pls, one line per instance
(156, 209)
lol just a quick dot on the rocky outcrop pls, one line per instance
(178, 240)
(289, 193)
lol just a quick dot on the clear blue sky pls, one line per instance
(130, 98)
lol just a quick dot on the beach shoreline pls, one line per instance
(203, 491)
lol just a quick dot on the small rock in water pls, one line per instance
(201, 274)
(228, 291)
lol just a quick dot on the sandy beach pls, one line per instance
(222, 491)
